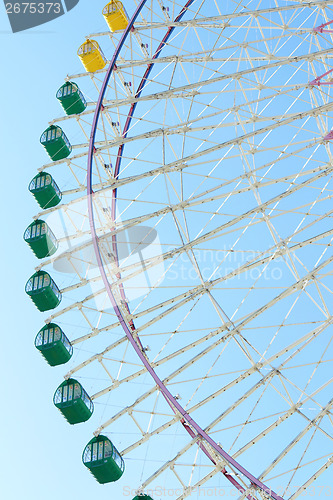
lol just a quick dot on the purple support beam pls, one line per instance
(143, 82)
(329, 136)
(317, 80)
(230, 478)
(321, 28)
(127, 329)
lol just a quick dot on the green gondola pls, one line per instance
(142, 497)
(54, 345)
(103, 460)
(40, 239)
(56, 143)
(71, 98)
(45, 190)
(43, 291)
(73, 401)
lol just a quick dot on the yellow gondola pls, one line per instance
(91, 56)
(115, 16)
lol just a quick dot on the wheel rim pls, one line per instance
(311, 174)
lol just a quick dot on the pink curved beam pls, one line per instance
(90, 194)
(317, 80)
(321, 28)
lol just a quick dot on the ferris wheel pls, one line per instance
(185, 238)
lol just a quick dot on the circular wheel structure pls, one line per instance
(195, 246)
